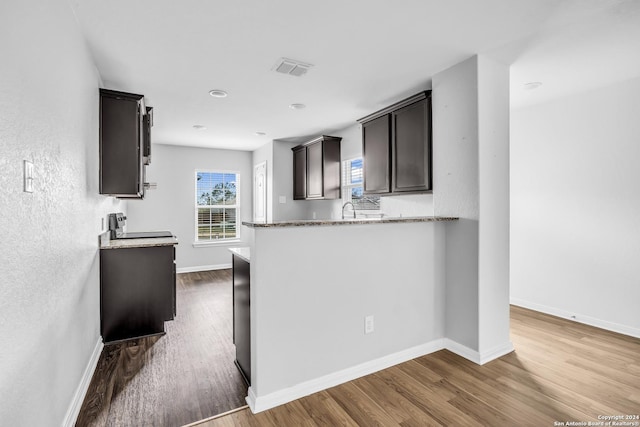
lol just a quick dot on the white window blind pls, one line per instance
(217, 206)
(352, 186)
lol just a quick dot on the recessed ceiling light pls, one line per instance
(199, 127)
(217, 93)
(297, 106)
(532, 85)
(260, 134)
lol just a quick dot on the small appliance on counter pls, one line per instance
(117, 221)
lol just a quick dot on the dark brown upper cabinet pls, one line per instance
(146, 145)
(125, 143)
(376, 135)
(315, 172)
(411, 145)
(299, 173)
(316, 169)
(396, 147)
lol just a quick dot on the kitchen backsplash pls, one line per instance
(407, 205)
(390, 206)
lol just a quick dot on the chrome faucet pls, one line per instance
(352, 208)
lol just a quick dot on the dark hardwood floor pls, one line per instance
(561, 371)
(184, 376)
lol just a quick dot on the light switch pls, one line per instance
(28, 176)
(282, 199)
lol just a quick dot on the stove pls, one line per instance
(117, 222)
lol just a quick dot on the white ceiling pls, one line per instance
(366, 54)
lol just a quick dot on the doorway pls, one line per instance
(260, 192)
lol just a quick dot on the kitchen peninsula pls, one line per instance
(332, 300)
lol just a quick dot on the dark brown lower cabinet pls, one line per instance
(241, 316)
(137, 291)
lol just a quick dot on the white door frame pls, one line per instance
(260, 192)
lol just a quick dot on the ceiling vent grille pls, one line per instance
(292, 67)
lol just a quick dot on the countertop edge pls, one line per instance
(242, 252)
(148, 242)
(332, 222)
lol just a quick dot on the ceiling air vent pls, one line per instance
(291, 67)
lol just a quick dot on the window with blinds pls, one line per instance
(352, 187)
(217, 206)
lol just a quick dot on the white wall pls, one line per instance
(309, 302)
(283, 184)
(264, 154)
(351, 144)
(471, 181)
(49, 272)
(575, 205)
(456, 193)
(493, 175)
(279, 158)
(172, 205)
(405, 205)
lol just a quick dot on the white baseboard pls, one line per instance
(580, 318)
(496, 352)
(203, 268)
(280, 397)
(462, 350)
(251, 399)
(475, 356)
(76, 404)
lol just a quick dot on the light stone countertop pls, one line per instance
(138, 243)
(244, 253)
(346, 221)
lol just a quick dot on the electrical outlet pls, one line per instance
(282, 199)
(368, 324)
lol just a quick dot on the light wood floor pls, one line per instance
(184, 376)
(561, 371)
